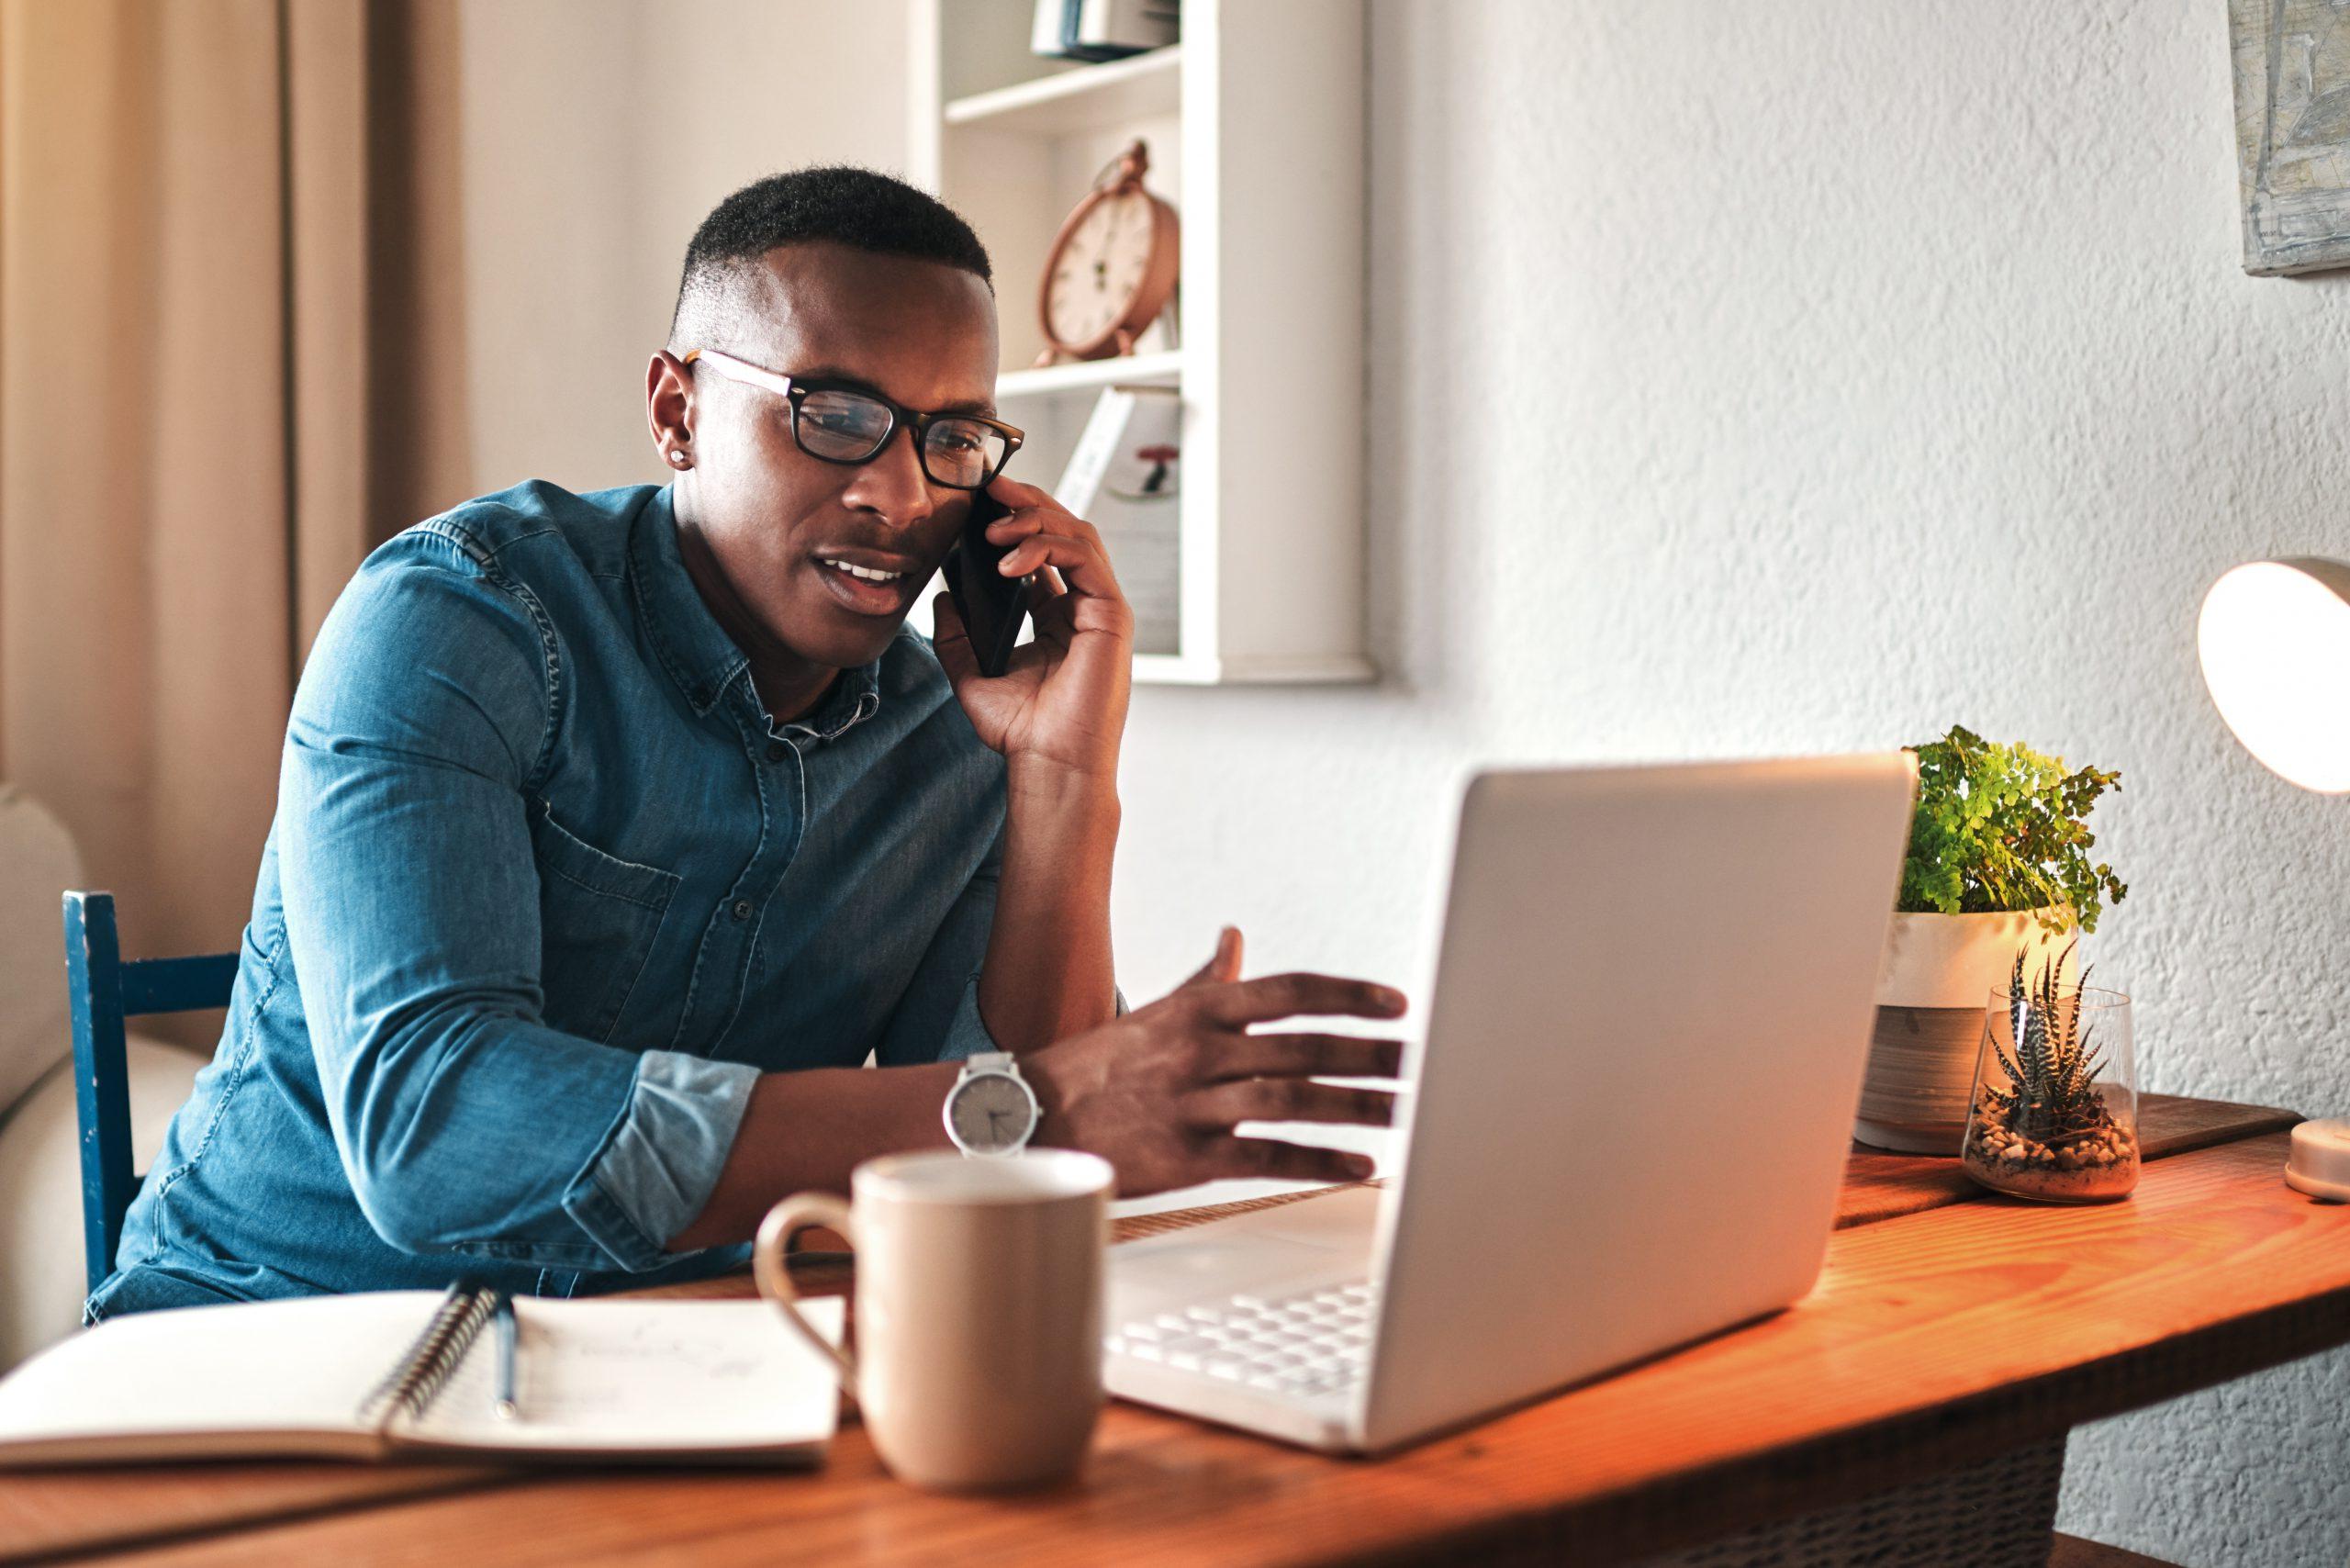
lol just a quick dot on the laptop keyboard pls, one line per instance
(1315, 1342)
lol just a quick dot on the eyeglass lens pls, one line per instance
(846, 427)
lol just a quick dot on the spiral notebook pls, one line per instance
(412, 1374)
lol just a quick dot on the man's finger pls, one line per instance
(1226, 964)
(1015, 494)
(1082, 567)
(1303, 1056)
(1053, 613)
(1226, 1106)
(1274, 1160)
(1271, 997)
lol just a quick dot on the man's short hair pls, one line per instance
(859, 208)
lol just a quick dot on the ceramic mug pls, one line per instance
(978, 1305)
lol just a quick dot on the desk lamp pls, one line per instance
(2274, 639)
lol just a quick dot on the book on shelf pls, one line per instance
(1104, 29)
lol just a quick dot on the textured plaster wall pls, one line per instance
(1777, 378)
(594, 135)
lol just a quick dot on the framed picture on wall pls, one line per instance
(2292, 76)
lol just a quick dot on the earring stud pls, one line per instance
(677, 458)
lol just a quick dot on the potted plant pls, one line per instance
(1998, 867)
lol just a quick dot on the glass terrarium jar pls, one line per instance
(2054, 1114)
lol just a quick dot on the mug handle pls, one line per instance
(794, 1214)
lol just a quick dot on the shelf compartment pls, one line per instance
(1098, 96)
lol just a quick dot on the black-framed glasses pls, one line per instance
(839, 423)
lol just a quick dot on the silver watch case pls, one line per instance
(976, 1071)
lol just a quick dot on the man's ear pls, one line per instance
(669, 408)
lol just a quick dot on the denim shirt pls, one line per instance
(545, 893)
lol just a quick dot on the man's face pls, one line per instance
(920, 333)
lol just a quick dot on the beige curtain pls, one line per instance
(229, 330)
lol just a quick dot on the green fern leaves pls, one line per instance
(2003, 827)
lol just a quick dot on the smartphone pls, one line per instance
(992, 606)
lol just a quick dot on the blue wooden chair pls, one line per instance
(104, 990)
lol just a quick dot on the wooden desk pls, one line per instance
(1954, 1340)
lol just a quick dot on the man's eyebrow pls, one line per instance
(835, 373)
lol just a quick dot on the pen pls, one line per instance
(505, 1407)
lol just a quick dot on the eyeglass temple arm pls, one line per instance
(734, 369)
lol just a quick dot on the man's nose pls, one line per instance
(892, 482)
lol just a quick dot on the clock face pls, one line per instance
(1096, 275)
(990, 1109)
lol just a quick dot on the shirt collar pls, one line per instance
(854, 698)
(696, 652)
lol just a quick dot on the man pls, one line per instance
(616, 831)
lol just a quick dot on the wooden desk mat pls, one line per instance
(48, 1514)
(1877, 1186)
(1882, 1185)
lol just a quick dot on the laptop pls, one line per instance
(1625, 1126)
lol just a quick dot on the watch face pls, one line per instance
(990, 1111)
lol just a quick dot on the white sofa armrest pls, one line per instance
(41, 1271)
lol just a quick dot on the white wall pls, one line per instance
(1792, 377)
(596, 135)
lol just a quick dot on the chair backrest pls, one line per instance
(103, 990)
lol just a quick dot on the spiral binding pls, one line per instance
(416, 1379)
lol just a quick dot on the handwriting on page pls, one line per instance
(636, 1376)
(591, 1373)
(625, 1363)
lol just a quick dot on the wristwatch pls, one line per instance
(991, 1110)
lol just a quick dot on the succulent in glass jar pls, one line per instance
(2052, 1118)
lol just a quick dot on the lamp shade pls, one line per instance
(2274, 640)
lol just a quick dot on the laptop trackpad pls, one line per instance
(1297, 1245)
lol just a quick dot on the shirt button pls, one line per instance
(777, 751)
(742, 908)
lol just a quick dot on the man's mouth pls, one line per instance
(868, 581)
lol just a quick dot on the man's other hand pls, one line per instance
(1159, 1092)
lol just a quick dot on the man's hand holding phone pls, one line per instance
(1061, 701)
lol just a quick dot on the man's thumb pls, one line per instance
(1225, 966)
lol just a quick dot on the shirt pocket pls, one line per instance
(597, 917)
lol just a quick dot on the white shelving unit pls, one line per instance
(1254, 125)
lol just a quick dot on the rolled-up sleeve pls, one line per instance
(662, 1162)
(464, 1123)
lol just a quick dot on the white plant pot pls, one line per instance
(1938, 972)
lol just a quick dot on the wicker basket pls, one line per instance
(2000, 1513)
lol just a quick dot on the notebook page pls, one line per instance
(265, 1366)
(624, 1375)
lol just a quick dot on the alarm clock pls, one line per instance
(1111, 267)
